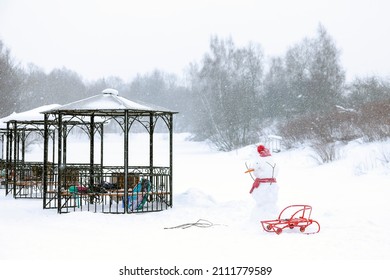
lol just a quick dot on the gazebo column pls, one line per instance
(45, 157)
(171, 157)
(16, 156)
(8, 158)
(53, 148)
(101, 151)
(17, 143)
(126, 159)
(65, 141)
(23, 147)
(91, 153)
(151, 140)
(16, 139)
(60, 167)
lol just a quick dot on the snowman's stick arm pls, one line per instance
(273, 168)
(246, 165)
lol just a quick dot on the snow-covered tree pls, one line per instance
(228, 85)
(314, 75)
(10, 81)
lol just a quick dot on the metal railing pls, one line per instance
(102, 189)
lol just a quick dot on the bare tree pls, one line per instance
(33, 88)
(368, 89)
(314, 75)
(275, 102)
(10, 81)
(229, 84)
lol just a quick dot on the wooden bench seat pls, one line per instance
(136, 193)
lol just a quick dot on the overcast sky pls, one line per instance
(100, 38)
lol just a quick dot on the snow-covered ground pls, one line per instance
(350, 199)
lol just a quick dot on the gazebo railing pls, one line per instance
(102, 189)
(25, 179)
(3, 171)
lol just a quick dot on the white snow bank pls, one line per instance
(352, 207)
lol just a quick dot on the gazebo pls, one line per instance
(22, 177)
(98, 186)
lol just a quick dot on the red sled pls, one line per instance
(299, 217)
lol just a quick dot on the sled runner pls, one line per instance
(300, 218)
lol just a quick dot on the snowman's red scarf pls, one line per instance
(257, 182)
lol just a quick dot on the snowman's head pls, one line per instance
(262, 166)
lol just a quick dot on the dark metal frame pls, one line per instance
(22, 179)
(58, 187)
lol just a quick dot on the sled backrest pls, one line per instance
(296, 211)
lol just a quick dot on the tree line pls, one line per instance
(234, 95)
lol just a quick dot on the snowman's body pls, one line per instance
(265, 189)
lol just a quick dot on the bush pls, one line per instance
(374, 121)
(325, 152)
(337, 125)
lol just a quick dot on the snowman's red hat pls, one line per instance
(263, 151)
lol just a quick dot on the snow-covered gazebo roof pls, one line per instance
(30, 115)
(107, 102)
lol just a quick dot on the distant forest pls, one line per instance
(233, 96)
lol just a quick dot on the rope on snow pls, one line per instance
(199, 223)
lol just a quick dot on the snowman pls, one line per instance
(264, 189)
